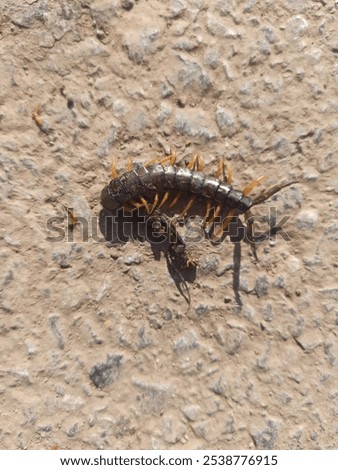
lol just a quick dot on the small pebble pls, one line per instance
(307, 219)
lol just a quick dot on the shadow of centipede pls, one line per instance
(120, 227)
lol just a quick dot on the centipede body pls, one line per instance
(145, 182)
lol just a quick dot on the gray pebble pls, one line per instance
(202, 309)
(105, 373)
(270, 34)
(177, 8)
(145, 43)
(105, 146)
(309, 341)
(220, 387)
(192, 123)
(279, 282)
(167, 314)
(208, 264)
(192, 412)
(72, 430)
(54, 324)
(307, 219)
(186, 342)
(144, 341)
(206, 429)
(164, 113)
(166, 90)
(119, 108)
(330, 293)
(327, 163)
(268, 312)
(217, 28)
(233, 342)
(155, 323)
(172, 430)
(284, 148)
(266, 438)
(137, 121)
(29, 15)
(103, 11)
(296, 27)
(191, 74)
(225, 121)
(185, 45)
(262, 286)
(212, 59)
(153, 398)
(134, 258)
(310, 174)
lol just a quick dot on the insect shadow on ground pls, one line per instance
(120, 227)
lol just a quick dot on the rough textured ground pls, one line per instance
(98, 347)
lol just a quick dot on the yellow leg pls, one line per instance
(230, 175)
(225, 223)
(175, 200)
(154, 204)
(135, 204)
(207, 210)
(224, 171)
(252, 185)
(145, 204)
(114, 172)
(220, 169)
(187, 207)
(215, 214)
(170, 159)
(165, 198)
(196, 163)
(129, 166)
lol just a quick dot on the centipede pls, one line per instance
(163, 188)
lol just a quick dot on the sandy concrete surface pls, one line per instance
(99, 349)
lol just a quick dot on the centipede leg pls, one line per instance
(187, 207)
(154, 204)
(171, 159)
(214, 215)
(196, 163)
(164, 199)
(225, 223)
(143, 203)
(129, 165)
(175, 200)
(224, 171)
(114, 172)
(207, 210)
(252, 185)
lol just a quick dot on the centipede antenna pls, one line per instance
(267, 193)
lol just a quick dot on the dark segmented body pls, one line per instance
(144, 181)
